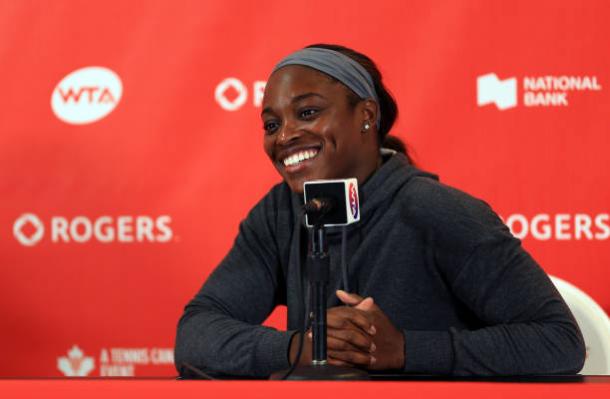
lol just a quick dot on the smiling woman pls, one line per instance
(438, 283)
(305, 114)
(318, 127)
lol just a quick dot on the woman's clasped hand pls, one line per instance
(359, 335)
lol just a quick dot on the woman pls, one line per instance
(437, 282)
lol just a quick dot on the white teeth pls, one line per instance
(299, 157)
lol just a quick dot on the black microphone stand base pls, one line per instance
(323, 372)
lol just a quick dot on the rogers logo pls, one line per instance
(24, 222)
(86, 95)
(560, 227)
(104, 229)
(231, 94)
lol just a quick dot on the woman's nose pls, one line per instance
(288, 132)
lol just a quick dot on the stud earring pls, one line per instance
(366, 127)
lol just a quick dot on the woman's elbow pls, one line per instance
(574, 352)
(578, 356)
(181, 353)
(188, 349)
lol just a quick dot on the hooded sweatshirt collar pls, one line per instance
(393, 174)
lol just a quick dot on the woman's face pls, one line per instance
(312, 132)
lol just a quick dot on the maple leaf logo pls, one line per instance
(75, 364)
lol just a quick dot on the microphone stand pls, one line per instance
(318, 281)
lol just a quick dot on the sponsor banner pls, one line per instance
(537, 91)
(560, 226)
(29, 229)
(129, 155)
(113, 362)
(75, 363)
(232, 94)
(86, 95)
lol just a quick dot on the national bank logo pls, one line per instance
(76, 364)
(29, 229)
(492, 90)
(86, 95)
(536, 91)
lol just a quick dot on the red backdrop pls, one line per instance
(111, 222)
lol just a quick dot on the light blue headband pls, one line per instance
(340, 67)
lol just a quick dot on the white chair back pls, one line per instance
(593, 323)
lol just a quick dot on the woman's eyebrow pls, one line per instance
(305, 96)
(300, 97)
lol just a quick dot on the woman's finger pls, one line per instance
(349, 298)
(350, 340)
(342, 317)
(356, 358)
(337, 362)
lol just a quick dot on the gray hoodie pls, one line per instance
(440, 263)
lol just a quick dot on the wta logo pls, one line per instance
(353, 200)
(86, 95)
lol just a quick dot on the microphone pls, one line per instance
(327, 203)
(331, 202)
(319, 206)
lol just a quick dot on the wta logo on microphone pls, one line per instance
(354, 204)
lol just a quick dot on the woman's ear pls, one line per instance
(369, 114)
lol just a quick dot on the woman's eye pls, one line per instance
(270, 127)
(307, 113)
